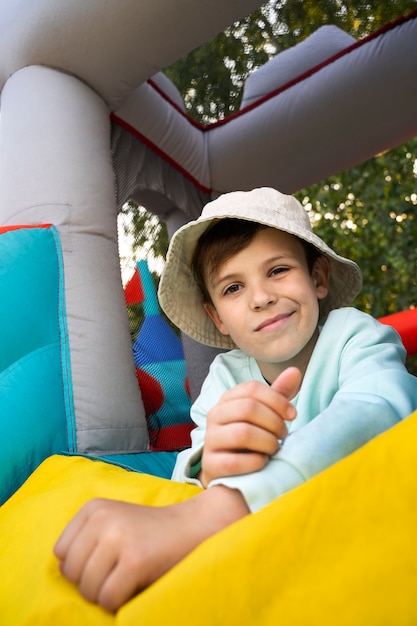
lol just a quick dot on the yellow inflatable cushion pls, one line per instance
(341, 549)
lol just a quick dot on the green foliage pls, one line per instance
(368, 213)
(357, 17)
(136, 316)
(148, 234)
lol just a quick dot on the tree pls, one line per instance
(368, 213)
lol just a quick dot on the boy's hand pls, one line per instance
(112, 550)
(244, 428)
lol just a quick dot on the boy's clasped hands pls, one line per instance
(245, 427)
(112, 550)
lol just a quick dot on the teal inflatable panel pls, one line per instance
(36, 410)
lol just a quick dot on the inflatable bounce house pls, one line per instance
(87, 122)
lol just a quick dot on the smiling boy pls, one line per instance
(252, 277)
(305, 382)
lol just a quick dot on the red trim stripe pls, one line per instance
(179, 110)
(6, 229)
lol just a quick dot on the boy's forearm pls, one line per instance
(134, 545)
(215, 509)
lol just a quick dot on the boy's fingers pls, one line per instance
(69, 533)
(74, 528)
(229, 463)
(288, 383)
(237, 437)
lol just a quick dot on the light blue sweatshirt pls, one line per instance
(355, 387)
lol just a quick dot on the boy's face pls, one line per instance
(265, 298)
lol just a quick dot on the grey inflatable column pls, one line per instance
(55, 167)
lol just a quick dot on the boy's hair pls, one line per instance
(224, 239)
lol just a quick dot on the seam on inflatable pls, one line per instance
(150, 144)
(28, 357)
(99, 459)
(65, 348)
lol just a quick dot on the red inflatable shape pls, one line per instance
(405, 323)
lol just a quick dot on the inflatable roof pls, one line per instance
(317, 109)
(88, 121)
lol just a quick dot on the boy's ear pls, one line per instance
(214, 316)
(321, 276)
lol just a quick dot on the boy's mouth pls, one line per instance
(273, 322)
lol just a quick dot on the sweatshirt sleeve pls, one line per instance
(189, 457)
(355, 387)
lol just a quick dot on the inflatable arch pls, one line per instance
(88, 121)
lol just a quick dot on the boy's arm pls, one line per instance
(112, 550)
(356, 387)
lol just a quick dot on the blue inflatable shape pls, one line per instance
(36, 412)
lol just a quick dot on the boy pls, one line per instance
(310, 382)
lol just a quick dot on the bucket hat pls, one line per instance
(179, 294)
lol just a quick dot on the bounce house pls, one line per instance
(88, 121)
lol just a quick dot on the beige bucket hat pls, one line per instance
(179, 294)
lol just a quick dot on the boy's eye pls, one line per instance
(279, 270)
(231, 289)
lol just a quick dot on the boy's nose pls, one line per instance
(262, 298)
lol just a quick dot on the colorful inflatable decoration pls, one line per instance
(87, 122)
(160, 368)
